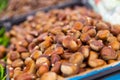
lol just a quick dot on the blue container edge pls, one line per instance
(93, 72)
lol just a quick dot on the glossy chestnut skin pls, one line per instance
(42, 69)
(115, 29)
(55, 58)
(69, 43)
(118, 37)
(85, 37)
(30, 66)
(25, 76)
(36, 54)
(103, 34)
(14, 55)
(85, 50)
(25, 55)
(17, 63)
(96, 44)
(102, 26)
(68, 69)
(78, 26)
(49, 76)
(42, 60)
(108, 53)
(115, 45)
(94, 61)
(56, 67)
(77, 58)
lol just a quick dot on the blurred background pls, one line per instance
(109, 9)
(10, 8)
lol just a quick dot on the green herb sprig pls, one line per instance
(3, 4)
(4, 40)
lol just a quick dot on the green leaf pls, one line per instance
(4, 78)
(3, 4)
(5, 41)
(2, 31)
(1, 71)
(1, 40)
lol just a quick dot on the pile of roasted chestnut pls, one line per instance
(61, 43)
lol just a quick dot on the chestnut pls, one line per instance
(68, 69)
(94, 61)
(77, 58)
(96, 44)
(103, 34)
(49, 76)
(85, 50)
(17, 63)
(108, 53)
